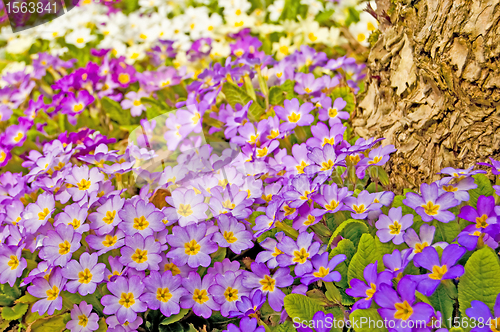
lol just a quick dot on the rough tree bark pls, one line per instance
(433, 86)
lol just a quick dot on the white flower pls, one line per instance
(135, 53)
(80, 37)
(314, 7)
(220, 49)
(275, 9)
(283, 48)
(362, 29)
(20, 44)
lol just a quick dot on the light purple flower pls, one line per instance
(49, 292)
(198, 297)
(294, 114)
(247, 324)
(393, 227)
(37, 214)
(59, 245)
(83, 319)
(163, 292)
(431, 205)
(332, 113)
(419, 243)
(83, 181)
(125, 299)
(232, 234)
(365, 289)
(298, 252)
(133, 102)
(85, 275)
(12, 264)
(227, 290)
(141, 253)
(73, 215)
(141, 218)
(188, 206)
(104, 220)
(191, 245)
(361, 205)
(323, 269)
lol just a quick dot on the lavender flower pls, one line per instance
(367, 288)
(392, 227)
(298, 252)
(198, 297)
(323, 269)
(60, 244)
(227, 290)
(163, 292)
(85, 275)
(83, 319)
(49, 293)
(141, 253)
(431, 205)
(124, 300)
(232, 234)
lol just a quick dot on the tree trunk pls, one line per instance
(433, 86)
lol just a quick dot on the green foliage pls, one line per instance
(480, 281)
(367, 253)
(287, 326)
(442, 302)
(347, 248)
(15, 312)
(175, 318)
(359, 320)
(446, 231)
(9, 294)
(346, 94)
(236, 95)
(116, 112)
(300, 307)
(484, 188)
(276, 96)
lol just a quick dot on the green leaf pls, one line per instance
(287, 326)
(347, 248)
(9, 294)
(115, 111)
(446, 232)
(346, 94)
(359, 320)
(276, 96)
(484, 187)
(300, 307)
(350, 229)
(175, 318)
(15, 312)
(236, 95)
(103, 327)
(367, 253)
(440, 301)
(27, 298)
(480, 281)
(52, 324)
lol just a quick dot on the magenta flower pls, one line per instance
(73, 106)
(441, 269)
(59, 245)
(232, 234)
(393, 227)
(12, 264)
(163, 292)
(141, 253)
(104, 220)
(15, 135)
(198, 297)
(431, 205)
(399, 308)
(270, 284)
(37, 214)
(191, 245)
(188, 206)
(83, 319)
(125, 300)
(140, 218)
(49, 293)
(85, 275)
(294, 114)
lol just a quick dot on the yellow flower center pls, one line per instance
(267, 283)
(276, 252)
(370, 291)
(300, 168)
(310, 219)
(361, 37)
(163, 294)
(83, 320)
(300, 256)
(200, 296)
(326, 165)
(64, 247)
(228, 205)
(140, 256)
(192, 247)
(495, 324)
(229, 236)
(267, 198)
(438, 272)
(332, 206)
(308, 90)
(77, 107)
(127, 300)
(294, 117)
(322, 272)
(304, 196)
(75, 223)
(450, 188)
(375, 160)
(231, 294)
(274, 134)
(312, 37)
(330, 141)
(332, 112)
(52, 293)
(110, 216)
(185, 210)
(430, 208)
(85, 276)
(110, 241)
(288, 210)
(137, 102)
(42, 215)
(395, 228)
(262, 152)
(284, 49)
(124, 78)
(420, 246)
(172, 267)
(140, 223)
(80, 40)
(403, 311)
(13, 262)
(481, 221)
(84, 185)
(359, 209)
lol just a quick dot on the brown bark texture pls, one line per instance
(433, 86)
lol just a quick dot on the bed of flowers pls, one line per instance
(190, 167)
